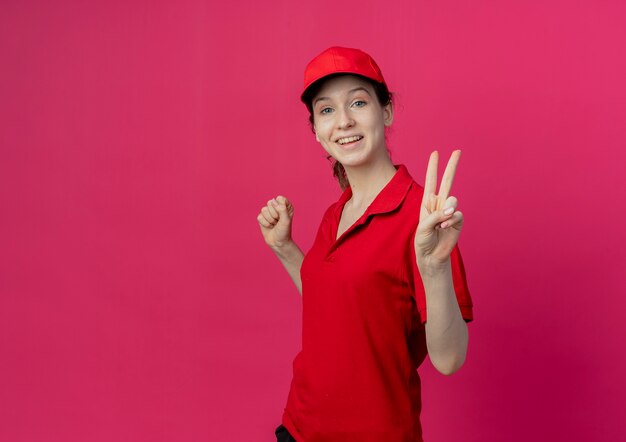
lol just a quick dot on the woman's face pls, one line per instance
(349, 121)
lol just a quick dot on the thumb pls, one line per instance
(284, 207)
(436, 218)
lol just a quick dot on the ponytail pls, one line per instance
(340, 173)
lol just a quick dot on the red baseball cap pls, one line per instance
(337, 60)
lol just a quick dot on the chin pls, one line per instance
(360, 159)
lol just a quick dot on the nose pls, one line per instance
(345, 119)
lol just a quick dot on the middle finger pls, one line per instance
(448, 176)
(268, 216)
(272, 209)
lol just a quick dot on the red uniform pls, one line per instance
(363, 335)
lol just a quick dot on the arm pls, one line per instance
(437, 233)
(275, 223)
(446, 330)
(291, 258)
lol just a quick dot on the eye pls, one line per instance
(326, 110)
(359, 103)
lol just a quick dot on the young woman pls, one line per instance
(383, 284)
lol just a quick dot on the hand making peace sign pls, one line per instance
(440, 223)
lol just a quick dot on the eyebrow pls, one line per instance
(360, 88)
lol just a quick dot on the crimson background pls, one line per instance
(139, 140)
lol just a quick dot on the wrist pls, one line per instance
(431, 269)
(283, 249)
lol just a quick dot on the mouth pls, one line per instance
(349, 140)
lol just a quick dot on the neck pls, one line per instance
(367, 180)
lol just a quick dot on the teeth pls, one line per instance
(349, 139)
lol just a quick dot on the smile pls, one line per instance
(347, 140)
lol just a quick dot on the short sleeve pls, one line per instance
(459, 281)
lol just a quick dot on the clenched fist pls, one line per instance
(275, 222)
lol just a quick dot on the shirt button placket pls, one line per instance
(330, 257)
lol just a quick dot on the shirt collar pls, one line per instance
(389, 198)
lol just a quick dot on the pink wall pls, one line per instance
(139, 140)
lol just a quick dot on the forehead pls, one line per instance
(342, 85)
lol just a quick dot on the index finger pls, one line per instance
(430, 183)
(448, 176)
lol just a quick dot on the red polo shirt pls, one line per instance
(363, 336)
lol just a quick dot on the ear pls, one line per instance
(388, 114)
(316, 137)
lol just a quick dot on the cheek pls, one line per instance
(378, 123)
(322, 132)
